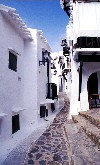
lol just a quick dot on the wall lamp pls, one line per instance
(45, 54)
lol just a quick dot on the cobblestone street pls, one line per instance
(63, 144)
(50, 148)
(50, 82)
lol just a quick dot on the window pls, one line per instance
(12, 62)
(15, 123)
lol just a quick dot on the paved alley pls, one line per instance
(63, 144)
(50, 148)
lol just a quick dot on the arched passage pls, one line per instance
(93, 94)
(92, 84)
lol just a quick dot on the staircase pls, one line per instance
(89, 122)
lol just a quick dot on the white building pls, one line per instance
(61, 71)
(56, 71)
(25, 72)
(83, 38)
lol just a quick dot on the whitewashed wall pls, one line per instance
(74, 104)
(82, 25)
(26, 88)
(82, 13)
(30, 80)
(10, 87)
(57, 78)
(41, 72)
(87, 70)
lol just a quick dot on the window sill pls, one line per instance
(18, 109)
(2, 115)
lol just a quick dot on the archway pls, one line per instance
(92, 84)
(92, 87)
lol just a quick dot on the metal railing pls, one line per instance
(94, 101)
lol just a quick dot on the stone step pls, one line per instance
(80, 147)
(94, 118)
(91, 130)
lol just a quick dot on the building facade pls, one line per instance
(83, 38)
(60, 71)
(25, 74)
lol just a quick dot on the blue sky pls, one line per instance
(45, 15)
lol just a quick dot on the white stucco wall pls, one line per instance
(35, 78)
(42, 72)
(74, 103)
(57, 78)
(10, 88)
(87, 69)
(25, 88)
(42, 78)
(30, 80)
(82, 25)
(68, 90)
(81, 16)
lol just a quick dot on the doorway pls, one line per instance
(92, 87)
(15, 123)
(92, 84)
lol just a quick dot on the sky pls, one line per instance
(45, 15)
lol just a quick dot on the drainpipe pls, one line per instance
(80, 78)
(48, 69)
(48, 95)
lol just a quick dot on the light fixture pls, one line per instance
(45, 57)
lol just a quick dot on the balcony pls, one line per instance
(51, 91)
(87, 49)
(88, 42)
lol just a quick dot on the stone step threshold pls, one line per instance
(92, 131)
(92, 117)
(80, 147)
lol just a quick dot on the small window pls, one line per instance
(15, 123)
(12, 62)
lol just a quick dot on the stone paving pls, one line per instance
(18, 154)
(51, 148)
(63, 144)
(83, 150)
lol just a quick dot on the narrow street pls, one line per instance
(51, 148)
(63, 144)
(50, 82)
